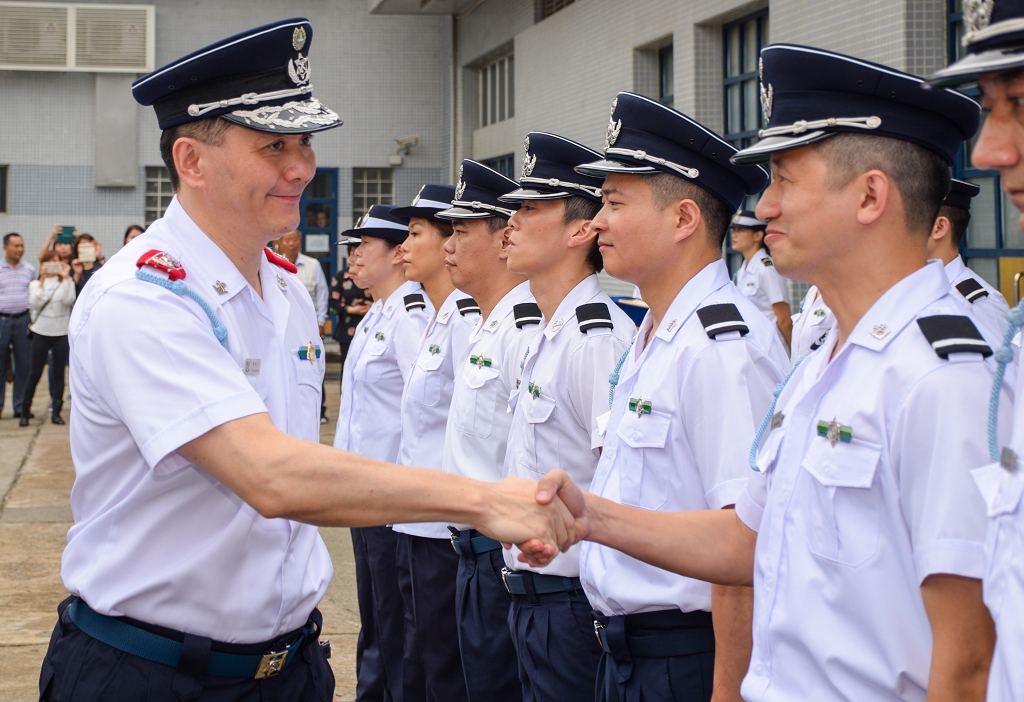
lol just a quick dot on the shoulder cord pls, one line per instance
(179, 288)
(1003, 355)
(771, 413)
(613, 379)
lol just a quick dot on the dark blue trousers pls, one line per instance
(558, 651)
(622, 677)
(481, 605)
(78, 668)
(369, 677)
(427, 570)
(388, 608)
(14, 339)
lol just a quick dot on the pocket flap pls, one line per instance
(769, 450)
(1000, 488)
(539, 409)
(430, 361)
(645, 431)
(843, 465)
(376, 347)
(476, 377)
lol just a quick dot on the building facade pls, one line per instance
(422, 84)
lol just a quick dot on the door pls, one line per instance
(319, 224)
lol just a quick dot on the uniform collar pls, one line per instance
(207, 267)
(899, 306)
(584, 292)
(710, 278)
(450, 307)
(395, 300)
(520, 293)
(761, 254)
(954, 268)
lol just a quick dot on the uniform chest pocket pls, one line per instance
(644, 475)
(1003, 545)
(425, 383)
(749, 288)
(371, 361)
(769, 453)
(309, 397)
(541, 454)
(474, 413)
(843, 500)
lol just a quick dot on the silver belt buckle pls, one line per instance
(504, 580)
(271, 664)
(455, 546)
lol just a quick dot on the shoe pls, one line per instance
(30, 415)
(55, 416)
(23, 422)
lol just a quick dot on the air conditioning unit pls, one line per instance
(36, 36)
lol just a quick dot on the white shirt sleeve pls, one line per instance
(938, 438)
(735, 390)
(153, 362)
(773, 285)
(588, 371)
(320, 296)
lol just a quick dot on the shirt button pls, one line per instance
(784, 495)
(636, 436)
(759, 669)
(769, 582)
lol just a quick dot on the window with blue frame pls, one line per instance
(503, 164)
(994, 245)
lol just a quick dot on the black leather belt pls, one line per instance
(521, 582)
(13, 315)
(655, 634)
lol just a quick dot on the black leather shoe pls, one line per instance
(23, 422)
(56, 419)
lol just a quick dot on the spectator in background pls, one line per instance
(87, 260)
(15, 276)
(51, 298)
(133, 231)
(757, 278)
(312, 276)
(61, 242)
(348, 301)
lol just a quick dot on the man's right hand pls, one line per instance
(516, 516)
(559, 488)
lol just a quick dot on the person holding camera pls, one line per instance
(50, 300)
(88, 259)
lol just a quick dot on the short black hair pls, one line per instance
(208, 131)
(576, 208)
(7, 237)
(958, 218)
(495, 224)
(668, 189)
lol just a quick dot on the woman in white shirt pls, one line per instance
(50, 299)
(757, 277)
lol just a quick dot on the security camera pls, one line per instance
(406, 143)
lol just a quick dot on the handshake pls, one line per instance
(540, 518)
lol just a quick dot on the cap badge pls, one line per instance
(460, 189)
(835, 432)
(977, 15)
(299, 38)
(298, 70)
(526, 144)
(613, 132)
(529, 162)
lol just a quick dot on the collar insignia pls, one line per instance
(221, 288)
(835, 432)
(880, 331)
(299, 38)
(280, 281)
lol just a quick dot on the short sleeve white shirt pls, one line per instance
(707, 397)
(811, 325)
(988, 311)
(428, 396)
(849, 529)
(563, 390)
(311, 273)
(379, 362)
(477, 432)
(761, 283)
(155, 538)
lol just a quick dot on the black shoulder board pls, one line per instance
(971, 289)
(767, 262)
(594, 315)
(467, 305)
(821, 340)
(719, 319)
(414, 301)
(953, 333)
(527, 313)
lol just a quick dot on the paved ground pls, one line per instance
(36, 475)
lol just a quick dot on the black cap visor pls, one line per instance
(601, 168)
(762, 151)
(972, 66)
(300, 117)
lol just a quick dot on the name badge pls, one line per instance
(251, 366)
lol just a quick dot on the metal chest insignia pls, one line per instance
(534, 390)
(434, 349)
(835, 432)
(480, 361)
(309, 352)
(379, 336)
(640, 406)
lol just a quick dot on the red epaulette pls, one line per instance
(280, 261)
(162, 261)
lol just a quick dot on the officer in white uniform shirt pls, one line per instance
(427, 564)
(811, 325)
(987, 305)
(478, 424)
(563, 389)
(859, 525)
(687, 395)
(378, 365)
(992, 43)
(757, 277)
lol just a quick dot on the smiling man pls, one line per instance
(859, 526)
(193, 564)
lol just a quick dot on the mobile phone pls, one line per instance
(53, 267)
(68, 230)
(87, 252)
